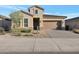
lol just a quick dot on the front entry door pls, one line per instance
(36, 23)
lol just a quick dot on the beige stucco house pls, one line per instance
(36, 19)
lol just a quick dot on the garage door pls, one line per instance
(50, 25)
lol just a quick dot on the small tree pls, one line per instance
(16, 18)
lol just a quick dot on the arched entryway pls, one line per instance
(36, 23)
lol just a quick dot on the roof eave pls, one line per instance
(26, 13)
(55, 15)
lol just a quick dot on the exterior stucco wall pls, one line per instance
(30, 21)
(39, 15)
(32, 11)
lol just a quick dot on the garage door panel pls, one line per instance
(50, 25)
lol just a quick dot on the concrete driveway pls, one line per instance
(57, 42)
(62, 34)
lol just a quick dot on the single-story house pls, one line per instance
(72, 23)
(35, 19)
(5, 23)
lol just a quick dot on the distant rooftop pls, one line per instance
(1, 16)
(75, 18)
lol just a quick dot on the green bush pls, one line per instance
(25, 30)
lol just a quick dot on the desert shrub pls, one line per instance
(25, 30)
(21, 31)
(1, 30)
(16, 32)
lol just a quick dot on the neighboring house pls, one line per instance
(72, 23)
(36, 19)
(5, 22)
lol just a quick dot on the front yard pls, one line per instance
(40, 34)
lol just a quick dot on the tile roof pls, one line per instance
(26, 12)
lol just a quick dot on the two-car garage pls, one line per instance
(52, 22)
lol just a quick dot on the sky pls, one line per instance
(65, 10)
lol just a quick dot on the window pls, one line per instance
(36, 11)
(25, 22)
